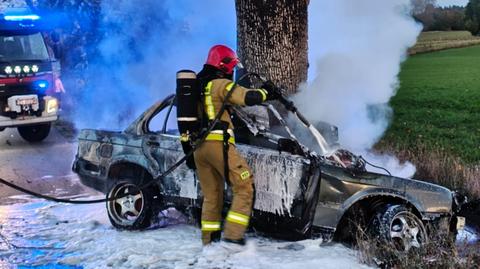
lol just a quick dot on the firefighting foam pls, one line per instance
(356, 49)
(45, 235)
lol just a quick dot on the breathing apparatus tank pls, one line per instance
(188, 100)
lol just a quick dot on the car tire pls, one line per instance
(399, 226)
(132, 212)
(34, 133)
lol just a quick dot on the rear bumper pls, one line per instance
(29, 120)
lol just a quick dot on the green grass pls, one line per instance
(438, 104)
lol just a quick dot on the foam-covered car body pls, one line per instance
(297, 193)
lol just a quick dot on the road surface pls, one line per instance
(44, 167)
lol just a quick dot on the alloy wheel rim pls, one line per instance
(126, 210)
(407, 232)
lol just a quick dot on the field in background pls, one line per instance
(436, 120)
(435, 41)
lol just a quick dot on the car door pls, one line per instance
(162, 143)
(278, 178)
(281, 179)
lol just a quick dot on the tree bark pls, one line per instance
(272, 39)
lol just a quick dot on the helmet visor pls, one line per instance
(229, 64)
(239, 65)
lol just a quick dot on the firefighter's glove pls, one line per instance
(274, 93)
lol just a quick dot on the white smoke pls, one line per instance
(144, 43)
(355, 50)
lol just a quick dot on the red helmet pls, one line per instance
(223, 58)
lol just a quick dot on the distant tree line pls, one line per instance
(452, 18)
(472, 16)
(442, 18)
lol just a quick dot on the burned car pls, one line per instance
(298, 194)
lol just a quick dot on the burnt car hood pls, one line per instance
(426, 197)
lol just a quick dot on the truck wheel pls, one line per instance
(34, 133)
(399, 226)
(132, 212)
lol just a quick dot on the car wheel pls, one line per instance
(34, 133)
(399, 226)
(132, 212)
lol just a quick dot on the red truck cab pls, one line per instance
(29, 77)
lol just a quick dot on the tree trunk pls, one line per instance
(272, 39)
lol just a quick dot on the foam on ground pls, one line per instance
(38, 233)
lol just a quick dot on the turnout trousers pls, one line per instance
(210, 166)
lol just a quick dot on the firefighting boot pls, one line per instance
(215, 236)
(235, 241)
(233, 246)
(211, 237)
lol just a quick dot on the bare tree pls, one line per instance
(272, 39)
(419, 6)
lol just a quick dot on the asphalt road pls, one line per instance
(42, 167)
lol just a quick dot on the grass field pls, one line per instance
(434, 41)
(437, 116)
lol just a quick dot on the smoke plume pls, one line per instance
(143, 44)
(355, 51)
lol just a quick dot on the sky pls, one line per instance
(452, 2)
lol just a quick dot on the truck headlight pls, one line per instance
(26, 69)
(34, 68)
(17, 69)
(52, 105)
(8, 70)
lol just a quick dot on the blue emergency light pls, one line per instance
(30, 17)
(23, 21)
(41, 85)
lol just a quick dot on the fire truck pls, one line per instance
(30, 83)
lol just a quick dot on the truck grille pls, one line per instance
(11, 90)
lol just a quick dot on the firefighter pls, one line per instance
(217, 158)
